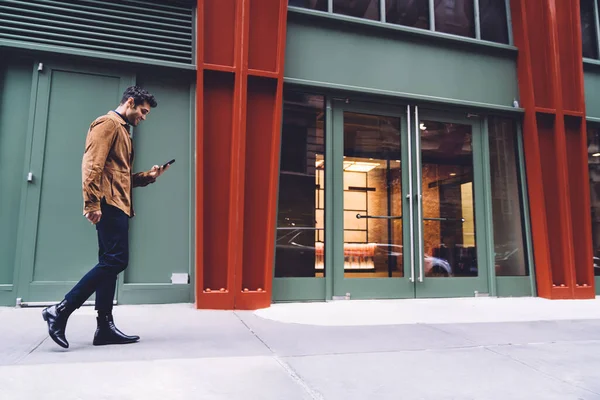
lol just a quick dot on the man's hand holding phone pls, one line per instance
(157, 171)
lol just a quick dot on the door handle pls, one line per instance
(358, 216)
(445, 219)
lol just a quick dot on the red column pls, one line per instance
(241, 46)
(550, 69)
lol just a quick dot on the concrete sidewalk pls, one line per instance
(338, 350)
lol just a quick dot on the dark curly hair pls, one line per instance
(139, 96)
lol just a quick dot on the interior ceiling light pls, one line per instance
(319, 163)
(359, 166)
(596, 155)
(453, 174)
(422, 126)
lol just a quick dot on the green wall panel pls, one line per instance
(15, 93)
(42, 227)
(592, 90)
(161, 232)
(513, 286)
(323, 50)
(298, 289)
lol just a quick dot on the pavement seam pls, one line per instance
(436, 328)
(511, 343)
(350, 353)
(540, 371)
(451, 348)
(286, 367)
(34, 348)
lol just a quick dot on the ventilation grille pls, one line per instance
(127, 27)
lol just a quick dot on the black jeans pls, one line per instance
(113, 257)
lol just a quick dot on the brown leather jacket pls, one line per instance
(106, 166)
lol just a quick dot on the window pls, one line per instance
(589, 35)
(319, 5)
(492, 17)
(593, 139)
(413, 13)
(368, 9)
(507, 212)
(456, 17)
(300, 238)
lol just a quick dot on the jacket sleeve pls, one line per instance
(142, 179)
(99, 141)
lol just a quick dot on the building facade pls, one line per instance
(326, 149)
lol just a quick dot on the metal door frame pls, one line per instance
(413, 284)
(391, 287)
(466, 286)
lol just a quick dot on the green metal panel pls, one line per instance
(486, 198)
(592, 87)
(15, 94)
(298, 289)
(335, 246)
(161, 233)
(330, 52)
(58, 245)
(513, 286)
(329, 204)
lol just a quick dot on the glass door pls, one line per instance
(407, 216)
(449, 235)
(372, 248)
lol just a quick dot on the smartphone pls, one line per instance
(168, 163)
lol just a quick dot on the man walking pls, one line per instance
(107, 181)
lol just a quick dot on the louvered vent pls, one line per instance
(127, 27)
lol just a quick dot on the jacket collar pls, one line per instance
(118, 119)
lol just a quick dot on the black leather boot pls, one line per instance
(107, 332)
(56, 316)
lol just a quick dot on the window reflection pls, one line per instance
(509, 245)
(300, 219)
(319, 5)
(594, 170)
(455, 17)
(372, 181)
(448, 200)
(492, 17)
(588, 29)
(368, 9)
(413, 13)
